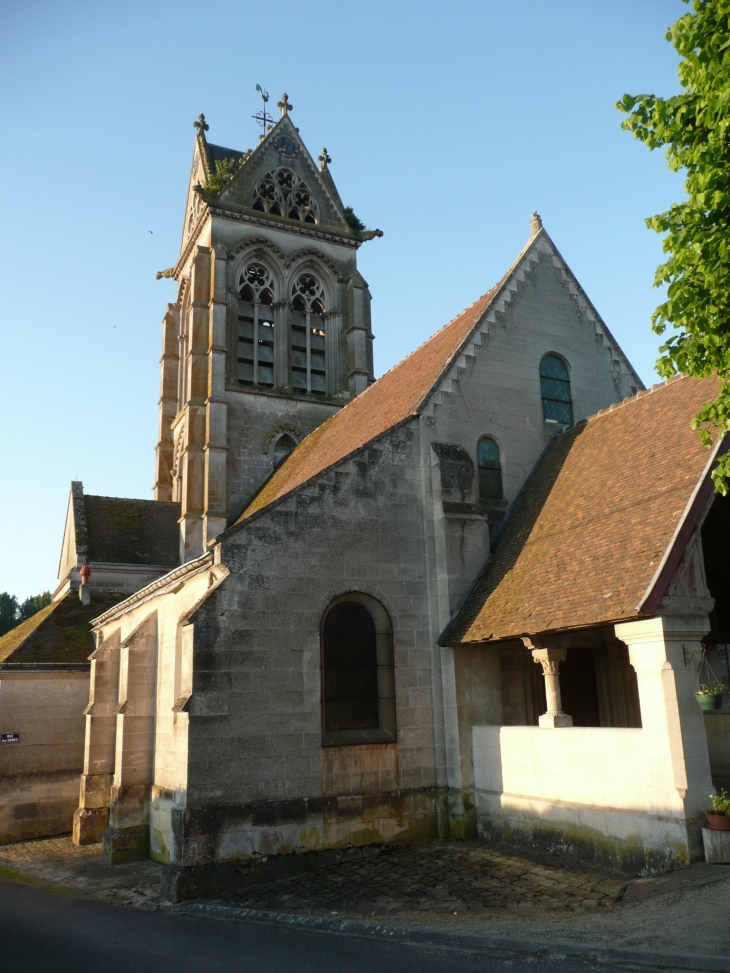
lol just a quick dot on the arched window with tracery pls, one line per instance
(282, 193)
(308, 358)
(490, 469)
(555, 389)
(256, 326)
(358, 680)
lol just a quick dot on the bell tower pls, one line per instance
(270, 333)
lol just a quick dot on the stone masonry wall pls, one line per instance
(39, 777)
(255, 750)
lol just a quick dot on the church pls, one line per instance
(468, 599)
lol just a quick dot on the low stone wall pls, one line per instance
(599, 794)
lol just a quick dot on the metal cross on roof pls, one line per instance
(324, 160)
(201, 125)
(263, 118)
(283, 105)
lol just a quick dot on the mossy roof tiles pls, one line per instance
(123, 531)
(593, 526)
(59, 633)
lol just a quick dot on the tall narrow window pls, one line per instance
(308, 363)
(555, 389)
(358, 694)
(256, 327)
(490, 469)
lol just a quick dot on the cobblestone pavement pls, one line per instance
(439, 879)
(442, 878)
(57, 862)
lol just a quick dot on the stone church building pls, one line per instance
(466, 599)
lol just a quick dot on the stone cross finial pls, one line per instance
(324, 160)
(535, 223)
(201, 125)
(284, 105)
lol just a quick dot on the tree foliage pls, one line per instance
(12, 612)
(694, 127)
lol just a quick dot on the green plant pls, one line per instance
(225, 169)
(352, 221)
(719, 803)
(694, 127)
(713, 689)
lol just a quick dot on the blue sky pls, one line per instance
(448, 124)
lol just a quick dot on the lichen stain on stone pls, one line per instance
(627, 854)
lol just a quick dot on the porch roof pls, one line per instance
(598, 530)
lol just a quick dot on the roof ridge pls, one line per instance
(103, 496)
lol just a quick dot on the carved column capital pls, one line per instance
(550, 659)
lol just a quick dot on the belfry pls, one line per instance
(270, 334)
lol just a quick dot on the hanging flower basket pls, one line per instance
(709, 701)
(709, 695)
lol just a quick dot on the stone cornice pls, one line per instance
(289, 227)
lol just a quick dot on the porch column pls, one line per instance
(550, 660)
(665, 652)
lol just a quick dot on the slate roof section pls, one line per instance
(217, 153)
(394, 398)
(124, 531)
(588, 540)
(58, 634)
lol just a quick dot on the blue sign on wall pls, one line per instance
(9, 738)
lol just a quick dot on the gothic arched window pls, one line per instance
(490, 469)
(256, 326)
(555, 390)
(358, 684)
(308, 360)
(282, 193)
(284, 445)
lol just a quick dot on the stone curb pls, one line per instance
(458, 940)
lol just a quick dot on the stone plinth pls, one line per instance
(717, 846)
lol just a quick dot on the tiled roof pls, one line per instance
(59, 633)
(395, 397)
(123, 531)
(588, 536)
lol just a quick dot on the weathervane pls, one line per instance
(263, 118)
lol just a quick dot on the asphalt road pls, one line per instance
(42, 931)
